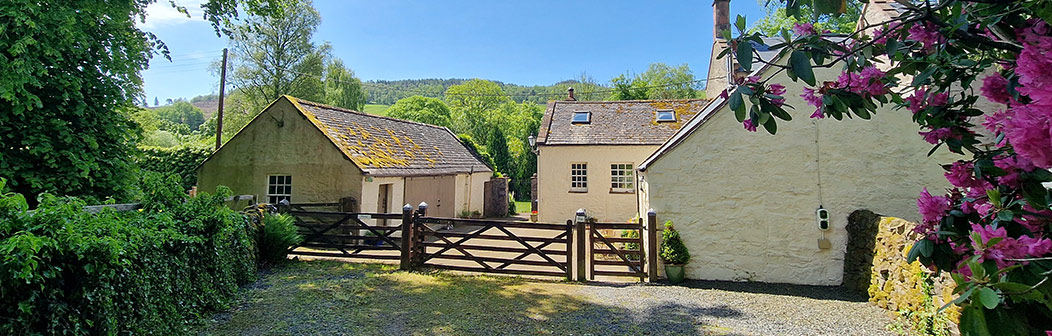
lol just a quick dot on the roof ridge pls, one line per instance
(628, 101)
(346, 110)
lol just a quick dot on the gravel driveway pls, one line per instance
(336, 298)
(729, 308)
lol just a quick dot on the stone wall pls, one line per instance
(875, 263)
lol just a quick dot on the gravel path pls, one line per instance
(729, 308)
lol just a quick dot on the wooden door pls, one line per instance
(383, 202)
(437, 191)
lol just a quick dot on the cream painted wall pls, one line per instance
(471, 190)
(745, 202)
(281, 141)
(556, 203)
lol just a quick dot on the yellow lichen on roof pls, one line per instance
(681, 109)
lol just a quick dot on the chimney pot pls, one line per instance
(570, 94)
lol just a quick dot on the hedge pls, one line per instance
(64, 271)
(181, 161)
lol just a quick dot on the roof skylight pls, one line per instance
(666, 115)
(581, 117)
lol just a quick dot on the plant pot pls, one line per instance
(674, 273)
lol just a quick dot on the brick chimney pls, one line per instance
(721, 17)
(569, 93)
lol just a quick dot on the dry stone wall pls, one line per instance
(876, 263)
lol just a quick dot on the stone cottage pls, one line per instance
(307, 152)
(745, 203)
(588, 152)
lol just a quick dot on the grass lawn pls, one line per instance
(376, 109)
(326, 297)
(522, 206)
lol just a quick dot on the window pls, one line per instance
(578, 177)
(666, 115)
(279, 187)
(621, 177)
(581, 117)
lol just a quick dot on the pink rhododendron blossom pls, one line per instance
(879, 37)
(932, 208)
(936, 135)
(804, 29)
(1038, 221)
(921, 99)
(776, 89)
(748, 125)
(778, 102)
(995, 88)
(752, 79)
(813, 98)
(1033, 63)
(995, 122)
(866, 83)
(1002, 252)
(1012, 165)
(984, 209)
(960, 175)
(1029, 130)
(927, 34)
(724, 94)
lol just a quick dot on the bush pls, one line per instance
(181, 161)
(631, 246)
(673, 252)
(65, 271)
(275, 236)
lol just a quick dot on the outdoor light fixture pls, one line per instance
(580, 215)
(533, 143)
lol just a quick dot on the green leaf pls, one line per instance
(995, 197)
(771, 126)
(989, 298)
(973, 321)
(800, 65)
(923, 77)
(737, 104)
(926, 247)
(744, 55)
(740, 23)
(823, 7)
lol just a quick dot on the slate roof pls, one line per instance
(382, 146)
(625, 122)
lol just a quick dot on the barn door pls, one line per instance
(437, 191)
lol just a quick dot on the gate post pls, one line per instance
(580, 230)
(405, 262)
(652, 270)
(569, 249)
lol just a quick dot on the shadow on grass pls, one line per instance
(835, 293)
(325, 297)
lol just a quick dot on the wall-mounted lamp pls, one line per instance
(533, 143)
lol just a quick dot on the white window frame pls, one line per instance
(578, 176)
(587, 117)
(622, 177)
(279, 186)
(657, 116)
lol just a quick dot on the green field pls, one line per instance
(522, 206)
(376, 109)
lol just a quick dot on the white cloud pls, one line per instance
(161, 14)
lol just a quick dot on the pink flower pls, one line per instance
(1033, 63)
(778, 102)
(748, 125)
(932, 208)
(960, 175)
(814, 99)
(1012, 165)
(776, 89)
(1007, 248)
(724, 94)
(927, 34)
(917, 100)
(995, 122)
(879, 36)
(984, 209)
(995, 88)
(752, 79)
(936, 135)
(804, 29)
(1029, 130)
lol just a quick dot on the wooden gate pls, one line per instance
(617, 249)
(492, 246)
(345, 234)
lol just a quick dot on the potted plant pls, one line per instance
(673, 253)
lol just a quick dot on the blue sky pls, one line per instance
(521, 42)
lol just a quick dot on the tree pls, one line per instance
(182, 112)
(70, 76)
(660, 81)
(421, 109)
(991, 232)
(274, 56)
(156, 102)
(472, 104)
(497, 147)
(342, 88)
(776, 19)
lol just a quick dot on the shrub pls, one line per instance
(673, 252)
(275, 236)
(65, 271)
(631, 246)
(181, 161)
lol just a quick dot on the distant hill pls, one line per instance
(208, 104)
(384, 92)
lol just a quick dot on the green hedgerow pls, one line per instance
(673, 252)
(64, 271)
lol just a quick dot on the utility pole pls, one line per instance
(222, 96)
